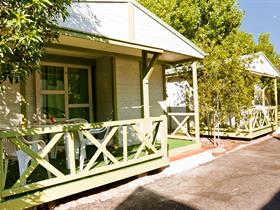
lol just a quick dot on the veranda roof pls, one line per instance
(126, 27)
(262, 65)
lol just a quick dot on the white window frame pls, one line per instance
(40, 92)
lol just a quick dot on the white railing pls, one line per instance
(184, 126)
(251, 120)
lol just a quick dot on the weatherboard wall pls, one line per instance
(128, 88)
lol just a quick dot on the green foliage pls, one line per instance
(264, 45)
(184, 16)
(25, 26)
(205, 22)
(225, 86)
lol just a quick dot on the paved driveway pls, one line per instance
(245, 179)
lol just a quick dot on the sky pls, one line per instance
(262, 16)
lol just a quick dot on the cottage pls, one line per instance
(261, 119)
(106, 69)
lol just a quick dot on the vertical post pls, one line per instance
(146, 100)
(276, 102)
(196, 104)
(1, 169)
(66, 96)
(263, 96)
(147, 71)
(115, 96)
(250, 121)
(163, 135)
(70, 151)
(125, 143)
(38, 93)
(145, 85)
(90, 95)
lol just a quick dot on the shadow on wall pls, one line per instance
(142, 198)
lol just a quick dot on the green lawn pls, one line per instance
(176, 143)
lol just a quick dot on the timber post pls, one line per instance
(263, 96)
(196, 103)
(250, 122)
(147, 70)
(2, 178)
(164, 135)
(276, 102)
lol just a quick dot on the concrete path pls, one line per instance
(242, 180)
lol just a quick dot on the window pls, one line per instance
(64, 91)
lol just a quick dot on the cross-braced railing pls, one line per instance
(184, 128)
(257, 119)
(251, 121)
(128, 143)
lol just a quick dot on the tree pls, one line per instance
(205, 22)
(25, 26)
(225, 86)
(264, 45)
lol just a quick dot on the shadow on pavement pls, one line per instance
(143, 199)
(274, 203)
(275, 136)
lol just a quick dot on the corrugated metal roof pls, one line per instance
(127, 21)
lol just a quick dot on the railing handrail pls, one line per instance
(57, 128)
(181, 114)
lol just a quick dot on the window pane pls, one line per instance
(52, 78)
(53, 104)
(79, 113)
(78, 86)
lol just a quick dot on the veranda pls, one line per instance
(115, 82)
(262, 118)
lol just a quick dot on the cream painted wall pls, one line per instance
(156, 91)
(128, 88)
(10, 111)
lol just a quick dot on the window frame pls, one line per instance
(67, 105)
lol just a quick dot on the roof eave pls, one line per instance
(94, 37)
